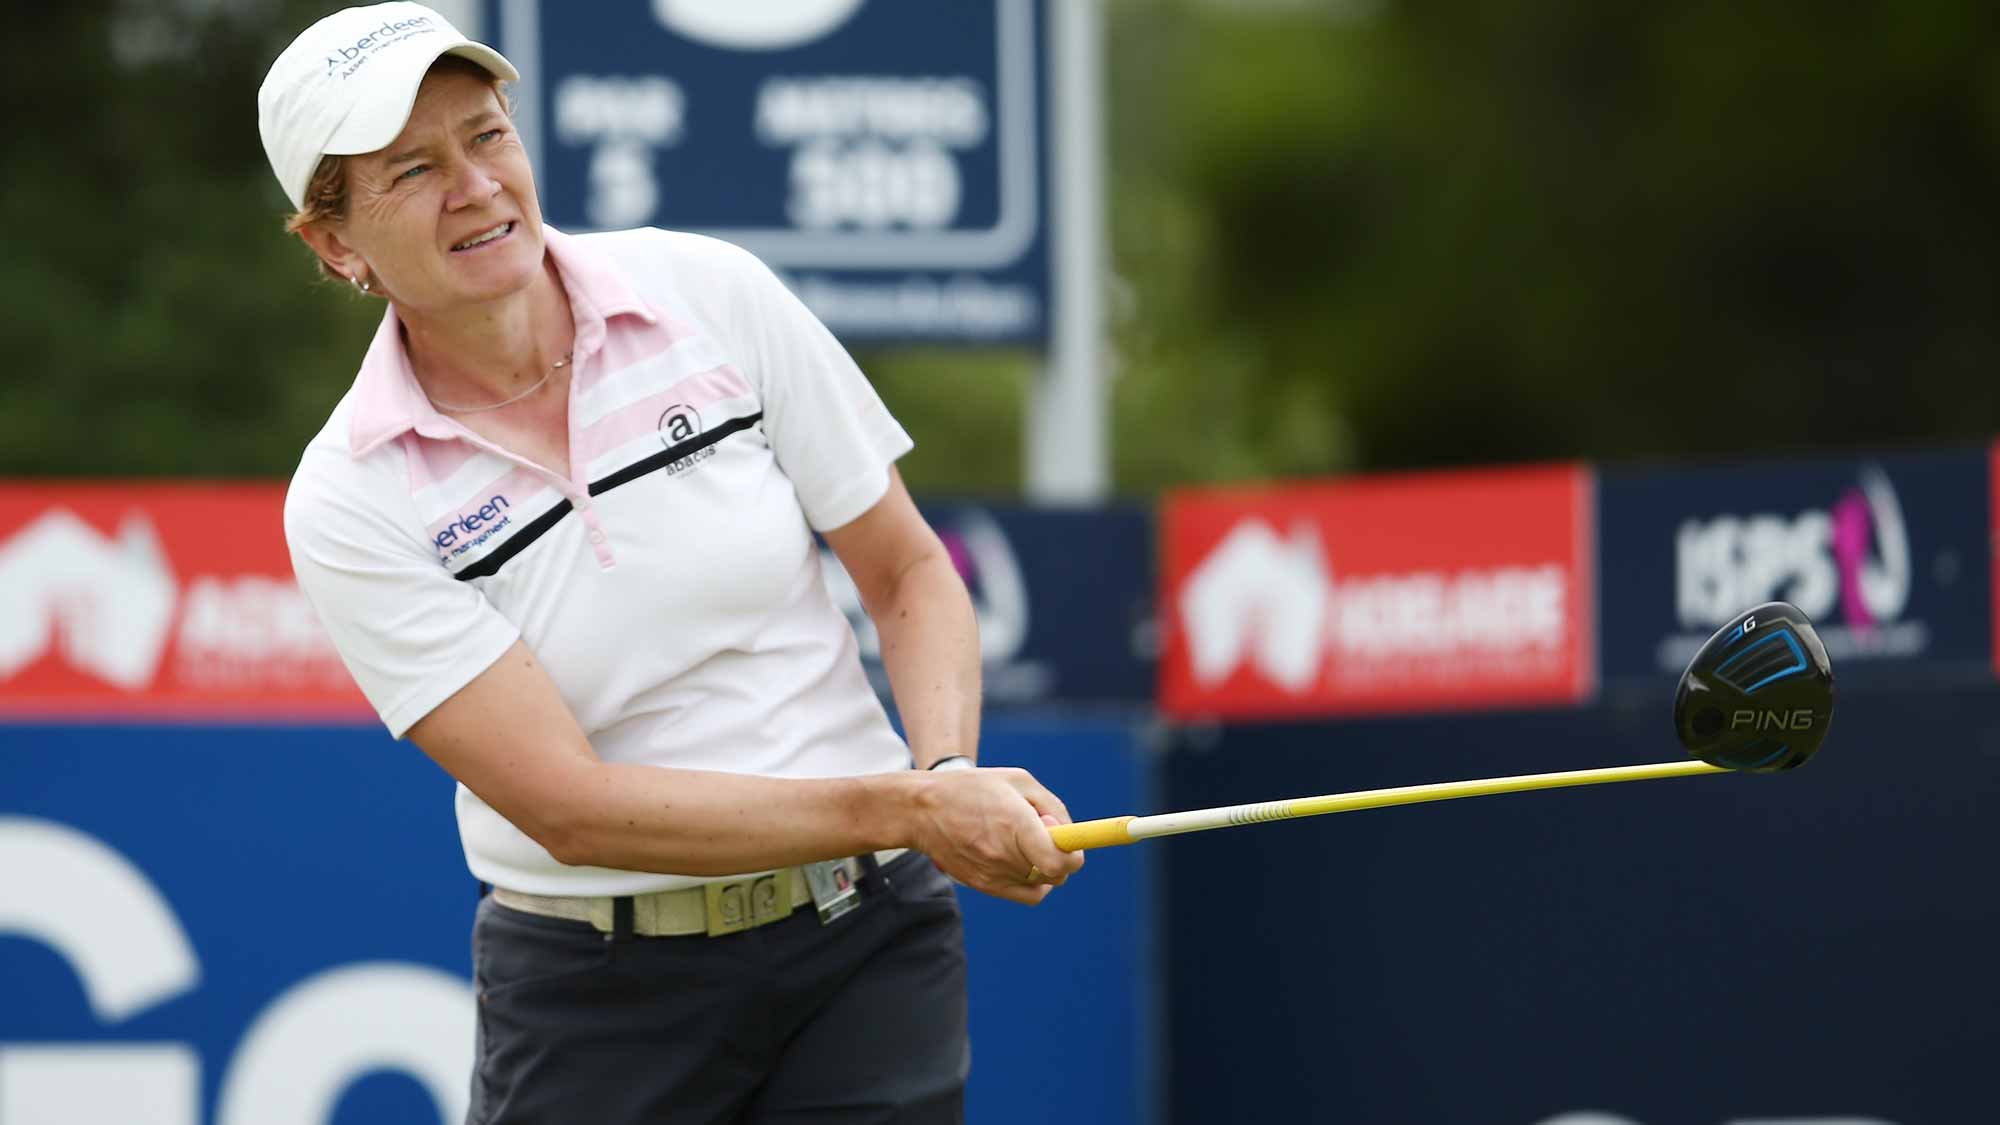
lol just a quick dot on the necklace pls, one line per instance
(448, 408)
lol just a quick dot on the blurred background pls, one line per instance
(1344, 235)
(1489, 355)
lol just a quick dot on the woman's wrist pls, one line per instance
(892, 808)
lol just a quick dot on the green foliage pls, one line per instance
(1466, 233)
(163, 322)
(963, 409)
(1428, 233)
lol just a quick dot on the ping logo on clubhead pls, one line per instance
(1799, 718)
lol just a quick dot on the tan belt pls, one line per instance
(725, 906)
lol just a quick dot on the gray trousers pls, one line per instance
(860, 1020)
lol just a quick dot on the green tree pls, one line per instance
(1466, 233)
(163, 322)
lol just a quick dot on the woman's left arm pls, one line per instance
(930, 646)
(930, 638)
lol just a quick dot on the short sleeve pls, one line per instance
(410, 634)
(828, 429)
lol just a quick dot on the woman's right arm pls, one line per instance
(510, 738)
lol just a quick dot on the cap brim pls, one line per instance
(377, 120)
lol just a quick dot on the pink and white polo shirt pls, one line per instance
(669, 584)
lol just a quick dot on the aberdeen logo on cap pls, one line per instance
(393, 31)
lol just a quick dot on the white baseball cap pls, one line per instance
(347, 83)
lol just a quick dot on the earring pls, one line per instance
(360, 283)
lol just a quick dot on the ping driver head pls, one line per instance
(1759, 694)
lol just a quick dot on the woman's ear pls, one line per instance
(334, 252)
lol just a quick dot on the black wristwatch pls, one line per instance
(954, 762)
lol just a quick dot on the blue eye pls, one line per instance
(411, 173)
(486, 136)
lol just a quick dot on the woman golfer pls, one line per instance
(561, 531)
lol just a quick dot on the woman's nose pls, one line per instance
(472, 185)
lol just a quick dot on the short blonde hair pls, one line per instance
(326, 198)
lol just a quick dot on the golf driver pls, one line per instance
(1757, 697)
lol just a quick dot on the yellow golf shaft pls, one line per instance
(1117, 830)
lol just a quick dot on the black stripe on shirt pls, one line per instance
(515, 543)
(673, 453)
(520, 540)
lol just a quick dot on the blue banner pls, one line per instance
(1064, 598)
(1889, 556)
(255, 926)
(1806, 948)
(887, 156)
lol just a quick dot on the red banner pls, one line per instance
(1445, 590)
(158, 600)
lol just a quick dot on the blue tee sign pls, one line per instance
(885, 156)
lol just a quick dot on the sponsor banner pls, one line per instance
(1439, 590)
(158, 599)
(1889, 556)
(178, 600)
(245, 925)
(1064, 599)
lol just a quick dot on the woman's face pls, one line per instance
(446, 216)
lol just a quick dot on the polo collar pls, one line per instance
(388, 400)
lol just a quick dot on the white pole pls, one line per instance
(1067, 444)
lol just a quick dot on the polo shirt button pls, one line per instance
(597, 537)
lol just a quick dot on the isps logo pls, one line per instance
(1847, 565)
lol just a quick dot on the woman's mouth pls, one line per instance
(484, 238)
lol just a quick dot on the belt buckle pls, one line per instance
(745, 905)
